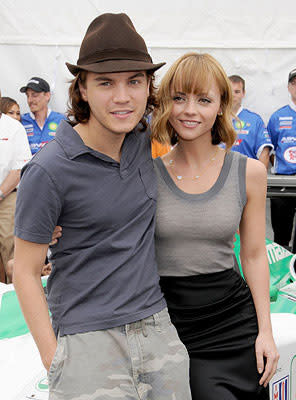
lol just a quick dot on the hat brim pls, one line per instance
(32, 86)
(114, 66)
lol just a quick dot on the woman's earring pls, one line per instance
(220, 113)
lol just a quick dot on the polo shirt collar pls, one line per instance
(292, 105)
(33, 116)
(74, 146)
(239, 111)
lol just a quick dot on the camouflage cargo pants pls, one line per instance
(143, 360)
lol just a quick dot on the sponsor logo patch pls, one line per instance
(239, 124)
(53, 126)
(286, 127)
(29, 130)
(288, 139)
(280, 389)
(243, 131)
(285, 122)
(290, 155)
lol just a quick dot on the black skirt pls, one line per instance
(215, 317)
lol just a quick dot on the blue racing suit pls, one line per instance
(252, 136)
(282, 130)
(39, 137)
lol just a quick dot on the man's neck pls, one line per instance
(101, 140)
(293, 104)
(40, 117)
(236, 108)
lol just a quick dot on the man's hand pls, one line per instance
(48, 357)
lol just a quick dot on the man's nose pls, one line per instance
(121, 94)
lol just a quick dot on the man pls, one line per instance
(14, 153)
(111, 336)
(252, 137)
(282, 130)
(41, 123)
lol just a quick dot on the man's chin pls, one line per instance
(126, 127)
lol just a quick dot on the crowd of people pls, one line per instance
(19, 141)
(117, 221)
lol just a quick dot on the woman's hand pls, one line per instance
(46, 270)
(266, 349)
(57, 233)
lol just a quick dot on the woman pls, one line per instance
(204, 195)
(10, 107)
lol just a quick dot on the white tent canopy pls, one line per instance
(255, 39)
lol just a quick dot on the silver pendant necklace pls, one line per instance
(195, 177)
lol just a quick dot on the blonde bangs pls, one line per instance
(192, 75)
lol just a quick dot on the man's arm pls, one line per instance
(10, 182)
(263, 143)
(264, 156)
(28, 263)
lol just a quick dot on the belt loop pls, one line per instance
(126, 329)
(144, 328)
(157, 322)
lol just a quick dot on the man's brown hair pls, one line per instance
(238, 79)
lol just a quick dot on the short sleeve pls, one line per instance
(38, 205)
(272, 131)
(262, 138)
(22, 152)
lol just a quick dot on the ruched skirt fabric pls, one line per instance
(215, 318)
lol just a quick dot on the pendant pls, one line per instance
(196, 176)
(179, 177)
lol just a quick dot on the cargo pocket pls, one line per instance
(148, 178)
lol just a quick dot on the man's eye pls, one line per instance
(134, 82)
(105, 84)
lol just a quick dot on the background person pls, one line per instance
(10, 107)
(14, 153)
(204, 194)
(41, 123)
(252, 137)
(282, 130)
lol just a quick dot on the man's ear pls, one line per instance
(48, 96)
(83, 91)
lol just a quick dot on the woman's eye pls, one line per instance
(178, 99)
(204, 100)
(105, 84)
(134, 82)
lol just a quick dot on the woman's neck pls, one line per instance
(195, 153)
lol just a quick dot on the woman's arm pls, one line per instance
(255, 265)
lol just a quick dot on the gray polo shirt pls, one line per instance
(104, 270)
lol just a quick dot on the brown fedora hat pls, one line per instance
(111, 44)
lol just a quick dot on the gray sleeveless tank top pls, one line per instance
(194, 232)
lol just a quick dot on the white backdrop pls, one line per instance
(254, 38)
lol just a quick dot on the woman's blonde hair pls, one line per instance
(193, 73)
